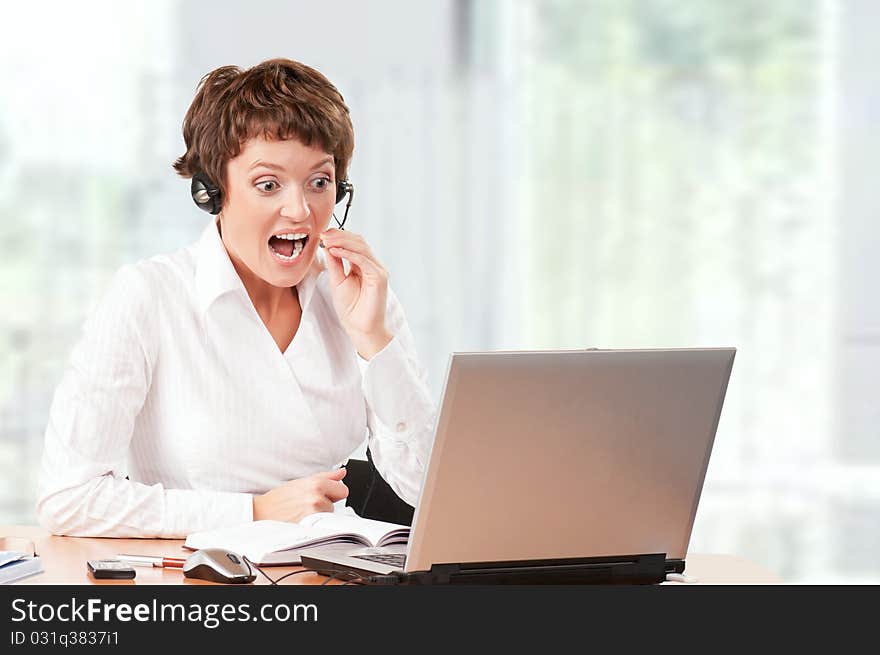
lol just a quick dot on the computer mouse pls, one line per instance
(218, 565)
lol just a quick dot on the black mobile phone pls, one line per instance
(110, 569)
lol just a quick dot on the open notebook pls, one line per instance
(279, 542)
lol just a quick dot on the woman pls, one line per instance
(227, 381)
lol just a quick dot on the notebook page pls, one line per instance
(373, 531)
(253, 540)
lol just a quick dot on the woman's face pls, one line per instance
(277, 190)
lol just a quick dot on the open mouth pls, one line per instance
(288, 247)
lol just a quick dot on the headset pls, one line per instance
(207, 195)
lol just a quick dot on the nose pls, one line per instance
(294, 205)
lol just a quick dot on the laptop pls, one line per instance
(557, 466)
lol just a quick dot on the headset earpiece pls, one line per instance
(206, 194)
(342, 188)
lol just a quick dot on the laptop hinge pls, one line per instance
(629, 569)
(675, 566)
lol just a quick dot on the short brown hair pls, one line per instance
(276, 99)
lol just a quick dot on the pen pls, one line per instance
(153, 560)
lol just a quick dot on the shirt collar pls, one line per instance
(215, 274)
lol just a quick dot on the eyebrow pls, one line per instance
(278, 167)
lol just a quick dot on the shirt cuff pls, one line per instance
(395, 392)
(193, 510)
(364, 364)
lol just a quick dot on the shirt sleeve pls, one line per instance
(82, 489)
(400, 410)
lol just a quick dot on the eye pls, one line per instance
(321, 183)
(267, 186)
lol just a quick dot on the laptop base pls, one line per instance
(631, 569)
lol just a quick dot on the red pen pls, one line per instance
(153, 560)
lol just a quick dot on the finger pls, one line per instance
(339, 274)
(353, 243)
(364, 263)
(335, 474)
(335, 270)
(352, 268)
(333, 233)
(349, 240)
(334, 490)
(323, 505)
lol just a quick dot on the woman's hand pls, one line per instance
(359, 297)
(296, 499)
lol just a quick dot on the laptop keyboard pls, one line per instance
(391, 559)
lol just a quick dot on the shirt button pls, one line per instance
(401, 427)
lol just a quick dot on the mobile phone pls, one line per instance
(110, 569)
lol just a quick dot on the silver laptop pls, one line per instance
(552, 462)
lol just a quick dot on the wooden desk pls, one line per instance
(64, 562)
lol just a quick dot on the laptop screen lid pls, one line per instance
(568, 454)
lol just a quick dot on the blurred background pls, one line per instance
(534, 174)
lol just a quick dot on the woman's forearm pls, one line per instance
(109, 506)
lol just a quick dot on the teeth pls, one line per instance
(297, 251)
(295, 254)
(291, 236)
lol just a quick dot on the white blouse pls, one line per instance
(177, 404)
